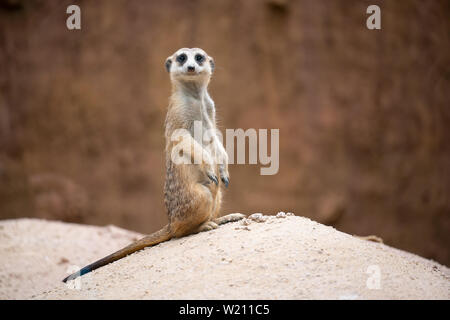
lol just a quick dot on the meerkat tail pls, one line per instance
(153, 239)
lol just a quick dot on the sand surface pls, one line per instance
(36, 254)
(271, 258)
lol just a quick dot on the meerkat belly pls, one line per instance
(176, 191)
(181, 189)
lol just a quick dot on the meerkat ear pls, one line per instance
(212, 64)
(168, 64)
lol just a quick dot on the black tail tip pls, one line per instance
(77, 274)
(71, 277)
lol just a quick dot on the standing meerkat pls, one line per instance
(196, 168)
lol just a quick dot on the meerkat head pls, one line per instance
(190, 65)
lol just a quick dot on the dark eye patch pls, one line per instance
(182, 58)
(199, 59)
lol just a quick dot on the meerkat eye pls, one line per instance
(181, 58)
(199, 58)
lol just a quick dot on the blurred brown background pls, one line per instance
(364, 116)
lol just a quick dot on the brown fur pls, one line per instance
(192, 192)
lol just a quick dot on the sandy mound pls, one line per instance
(278, 258)
(36, 254)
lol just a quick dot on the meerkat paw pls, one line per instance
(212, 177)
(229, 218)
(207, 226)
(224, 176)
(225, 180)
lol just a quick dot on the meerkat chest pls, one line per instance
(202, 122)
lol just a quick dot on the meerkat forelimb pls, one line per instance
(192, 191)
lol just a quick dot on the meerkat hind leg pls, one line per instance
(207, 226)
(229, 218)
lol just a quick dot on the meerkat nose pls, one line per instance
(190, 68)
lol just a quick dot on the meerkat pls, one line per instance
(193, 189)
